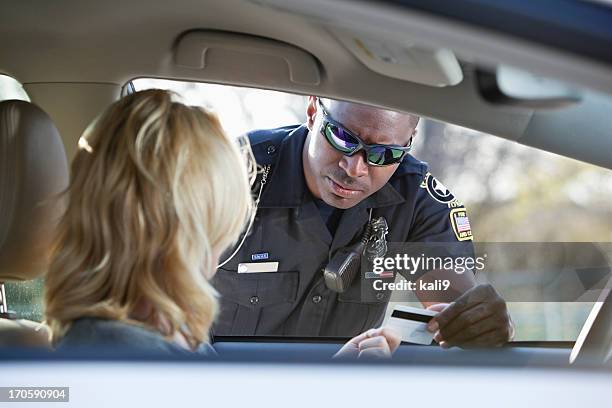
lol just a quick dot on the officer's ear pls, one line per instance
(311, 111)
(416, 119)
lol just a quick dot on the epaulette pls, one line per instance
(266, 143)
(411, 165)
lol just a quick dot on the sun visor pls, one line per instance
(245, 58)
(403, 60)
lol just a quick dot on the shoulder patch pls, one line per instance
(461, 224)
(437, 190)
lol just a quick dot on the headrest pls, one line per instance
(33, 171)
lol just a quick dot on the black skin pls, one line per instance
(478, 318)
(322, 162)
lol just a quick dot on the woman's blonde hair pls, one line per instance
(157, 190)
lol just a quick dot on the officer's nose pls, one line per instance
(354, 166)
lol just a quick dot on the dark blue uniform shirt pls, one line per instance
(330, 215)
(291, 229)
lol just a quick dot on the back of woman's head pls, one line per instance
(157, 192)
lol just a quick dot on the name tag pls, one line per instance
(411, 324)
(260, 256)
(258, 267)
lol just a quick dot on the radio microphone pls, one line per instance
(345, 264)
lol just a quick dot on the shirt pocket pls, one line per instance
(245, 297)
(363, 291)
(364, 306)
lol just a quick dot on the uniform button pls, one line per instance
(271, 150)
(317, 298)
(254, 300)
(380, 296)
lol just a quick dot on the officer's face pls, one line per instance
(343, 181)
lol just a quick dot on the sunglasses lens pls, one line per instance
(340, 139)
(383, 156)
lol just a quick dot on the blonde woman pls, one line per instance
(158, 191)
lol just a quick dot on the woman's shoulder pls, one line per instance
(109, 337)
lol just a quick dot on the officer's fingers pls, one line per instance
(466, 319)
(493, 323)
(494, 338)
(446, 316)
(491, 305)
(472, 297)
(469, 333)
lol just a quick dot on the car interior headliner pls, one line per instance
(74, 56)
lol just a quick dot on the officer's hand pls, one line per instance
(374, 343)
(478, 318)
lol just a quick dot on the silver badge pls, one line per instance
(377, 243)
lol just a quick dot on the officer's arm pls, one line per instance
(441, 220)
(470, 315)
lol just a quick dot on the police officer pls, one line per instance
(323, 181)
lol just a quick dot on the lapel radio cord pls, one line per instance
(264, 179)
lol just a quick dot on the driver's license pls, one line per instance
(411, 324)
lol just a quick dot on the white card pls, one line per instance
(411, 324)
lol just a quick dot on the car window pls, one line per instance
(10, 88)
(24, 299)
(513, 193)
(239, 109)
